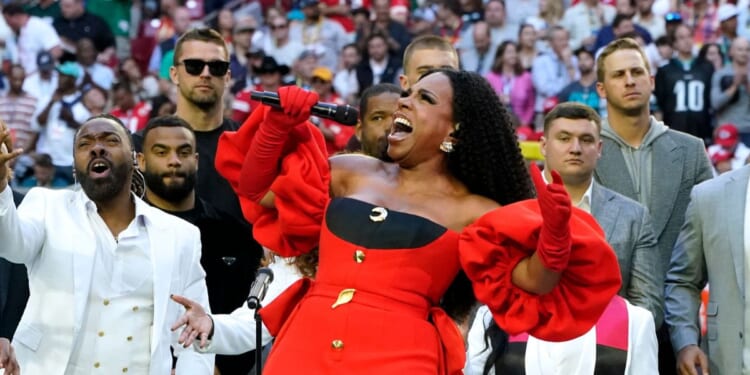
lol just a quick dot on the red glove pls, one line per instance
(554, 243)
(262, 159)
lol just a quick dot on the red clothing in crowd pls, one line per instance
(135, 119)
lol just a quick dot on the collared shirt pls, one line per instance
(585, 202)
(115, 334)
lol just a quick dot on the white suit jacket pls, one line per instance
(50, 234)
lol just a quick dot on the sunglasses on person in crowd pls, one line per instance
(194, 67)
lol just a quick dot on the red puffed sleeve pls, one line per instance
(301, 187)
(490, 249)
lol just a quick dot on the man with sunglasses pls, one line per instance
(278, 44)
(201, 73)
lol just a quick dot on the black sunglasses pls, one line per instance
(194, 67)
(280, 26)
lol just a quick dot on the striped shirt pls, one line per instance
(18, 112)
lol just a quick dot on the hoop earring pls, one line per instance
(447, 147)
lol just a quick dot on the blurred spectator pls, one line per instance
(339, 11)
(44, 174)
(47, 10)
(551, 10)
(60, 119)
(379, 66)
(512, 83)
(702, 19)
(665, 51)
(646, 18)
(421, 22)
(726, 141)
(721, 160)
(94, 72)
(449, 24)
(345, 80)
(479, 56)
(278, 44)
(682, 89)
(500, 31)
(17, 110)
(471, 11)
(134, 113)
(396, 35)
(180, 17)
(712, 53)
(622, 24)
(671, 21)
(335, 134)
(253, 59)
(129, 73)
(729, 90)
(76, 23)
(162, 105)
(553, 70)
(584, 20)
(43, 83)
(242, 43)
(32, 36)
(224, 24)
(727, 15)
(317, 32)
(550, 13)
(584, 89)
(270, 76)
(303, 68)
(116, 13)
(527, 46)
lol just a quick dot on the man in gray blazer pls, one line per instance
(571, 145)
(711, 249)
(642, 158)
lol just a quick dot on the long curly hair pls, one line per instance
(486, 158)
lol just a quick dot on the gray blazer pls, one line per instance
(710, 249)
(629, 231)
(680, 162)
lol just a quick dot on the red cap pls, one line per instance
(726, 136)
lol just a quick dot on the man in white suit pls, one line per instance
(102, 265)
(712, 248)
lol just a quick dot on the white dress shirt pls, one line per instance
(116, 329)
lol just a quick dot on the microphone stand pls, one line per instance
(254, 301)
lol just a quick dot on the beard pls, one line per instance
(203, 101)
(175, 192)
(105, 189)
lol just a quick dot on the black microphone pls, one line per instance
(343, 114)
(259, 287)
